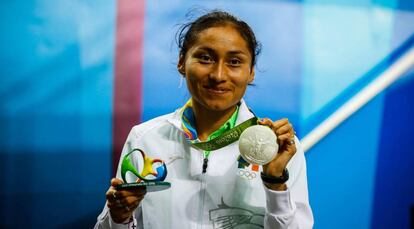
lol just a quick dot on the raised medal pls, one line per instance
(257, 145)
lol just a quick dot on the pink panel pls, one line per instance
(128, 72)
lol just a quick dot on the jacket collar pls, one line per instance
(244, 114)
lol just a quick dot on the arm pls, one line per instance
(105, 221)
(290, 208)
(122, 208)
(287, 204)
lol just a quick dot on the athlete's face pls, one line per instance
(217, 68)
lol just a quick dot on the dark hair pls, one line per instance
(187, 33)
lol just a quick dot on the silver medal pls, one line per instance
(257, 145)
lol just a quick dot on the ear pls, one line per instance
(251, 76)
(181, 65)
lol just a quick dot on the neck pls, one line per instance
(208, 121)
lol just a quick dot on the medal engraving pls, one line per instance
(257, 145)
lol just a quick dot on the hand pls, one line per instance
(287, 148)
(122, 203)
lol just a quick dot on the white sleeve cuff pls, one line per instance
(125, 225)
(106, 219)
(279, 202)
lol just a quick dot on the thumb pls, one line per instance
(116, 181)
(265, 121)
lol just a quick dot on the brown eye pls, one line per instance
(205, 59)
(234, 62)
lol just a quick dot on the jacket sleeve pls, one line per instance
(290, 208)
(104, 220)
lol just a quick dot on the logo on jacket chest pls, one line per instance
(246, 170)
(228, 217)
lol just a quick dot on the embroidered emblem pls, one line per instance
(250, 175)
(243, 164)
(226, 217)
(244, 170)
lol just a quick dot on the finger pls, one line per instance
(115, 202)
(116, 181)
(119, 216)
(266, 122)
(291, 148)
(134, 204)
(287, 152)
(113, 205)
(130, 200)
(139, 191)
(116, 205)
(287, 128)
(281, 122)
(111, 194)
(120, 203)
(119, 208)
(125, 202)
(284, 138)
(292, 141)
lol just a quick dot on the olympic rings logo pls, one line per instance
(246, 174)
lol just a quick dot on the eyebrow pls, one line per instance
(237, 52)
(233, 52)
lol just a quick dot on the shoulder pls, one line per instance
(138, 131)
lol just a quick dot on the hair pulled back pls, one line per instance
(188, 33)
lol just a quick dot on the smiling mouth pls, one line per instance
(216, 90)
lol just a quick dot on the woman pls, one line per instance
(213, 189)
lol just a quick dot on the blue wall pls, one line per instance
(55, 111)
(56, 90)
(393, 199)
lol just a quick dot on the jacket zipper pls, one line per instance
(203, 188)
(205, 161)
(205, 164)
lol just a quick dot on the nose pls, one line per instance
(218, 73)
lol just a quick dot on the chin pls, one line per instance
(218, 105)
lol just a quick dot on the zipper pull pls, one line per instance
(205, 164)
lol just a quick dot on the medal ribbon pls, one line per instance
(225, 138)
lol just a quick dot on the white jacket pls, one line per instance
(224, 197)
